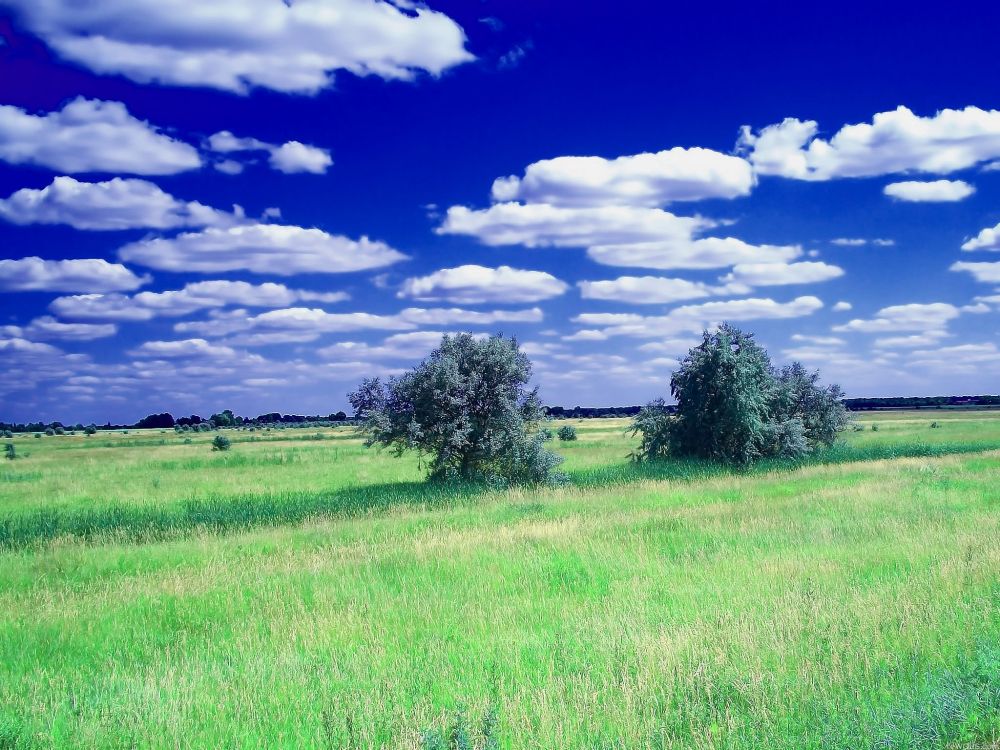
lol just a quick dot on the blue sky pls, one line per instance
(251, 204)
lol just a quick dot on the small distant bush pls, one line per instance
(858, 427)
(50, 432)
(8, 434)
(221, 443)
(38, 434)
(10, 452)
(546, 434)
(935, 425)
(567, 432)
(60, 431)
(461, 734)
(187, 441)
(874, 428)
(90, 430)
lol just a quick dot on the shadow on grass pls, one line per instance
(131, 524)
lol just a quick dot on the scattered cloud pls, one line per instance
(645, 290)
(842, 306)
(112, 205)
(196, 296)
(818, 340)
(290, 157)
(861, 241)
(237, 45)
(937, 191)
(648, 179)
(472, 285)
(87, 275)
(88, 135)
(987, 273)
(894, 142)
(184, 348)
(776, 274)
(261, 248)
(987, 239)
(47, 327)
(911, 317)
(708, 252)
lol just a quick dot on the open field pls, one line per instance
(300, 591)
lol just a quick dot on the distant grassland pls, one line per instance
(303, 592)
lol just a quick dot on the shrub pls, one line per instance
(90, 429)
(734, 407)
(858, 427)
(567, 433)
(50, 432)
(874, 428)
(60, 431)
(8, 434)
(10, 452)
(221, 443)
(934, 425)
(38, 434)
(466, 406)
(546, 434)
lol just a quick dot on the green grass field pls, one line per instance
(300, 591)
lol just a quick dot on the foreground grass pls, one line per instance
(844, 605)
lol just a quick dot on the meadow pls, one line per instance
(302, 591)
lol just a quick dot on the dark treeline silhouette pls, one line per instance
(167, 421)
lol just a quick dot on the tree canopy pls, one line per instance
(468, 408)
(734, 406)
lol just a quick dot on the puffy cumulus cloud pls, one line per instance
(818, 340)
(236, 45)
(690, 318)
(648, 179)
(911, 317)
(115, 204)
(842, 306)
(90, 275)
(543, 225)
(198, 295)
(708, 252)
(300, 324)
(987, 273)
(645, 290)
(910, 341)
(776, 274)
(91, 136)
(894, 142)
(969, 358)
(290, 157)
(47, 328)
(987, 239)
(186, 348)
(260, 248)
(472, 284)
(936, 191)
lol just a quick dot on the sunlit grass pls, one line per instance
(851, 602)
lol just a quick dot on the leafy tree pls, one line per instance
(468, 407)
(8, 434)
(732, 406)
(224, 418)
(90, 429)
(50, 432)
(221, 443)
(567, 433)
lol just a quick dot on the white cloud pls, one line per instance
(289, 157)
(645, 290)
(909, 342)
(398, 346)
(692, 318)
(472, 284)
(115, 204)
(842, 306)
(861, 241)
(709, 252)
(260, 248)
(299, 324)
(184, 348)
(47, 327)
(91, 136)
(775, 274)
(85, 275)
(987, 273)
(541, 225)
(647, 179)
(894, 142)
(239, 44)
(937, 191)
(987, 239)
(195, 296)
(818, 340)
(911, 317)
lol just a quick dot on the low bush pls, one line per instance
(10, 452)
(8, 434)
(221, 443)
(90, 430)
(567, 433)
(935, 425)
(874, 428)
